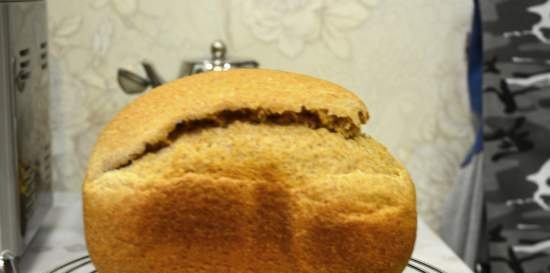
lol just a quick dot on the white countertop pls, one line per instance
(61, 239)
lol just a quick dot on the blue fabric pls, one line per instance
(475, 63)
(475, 80)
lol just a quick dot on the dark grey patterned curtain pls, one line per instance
(516, 120)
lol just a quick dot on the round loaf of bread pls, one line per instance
(246, 171)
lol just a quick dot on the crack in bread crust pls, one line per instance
(149, 119)
(314, 119)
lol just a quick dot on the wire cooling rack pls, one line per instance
(84, 265)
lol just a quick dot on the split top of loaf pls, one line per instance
(156, 119)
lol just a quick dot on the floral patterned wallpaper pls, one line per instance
(405, 59)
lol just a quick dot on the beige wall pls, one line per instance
(404, 58)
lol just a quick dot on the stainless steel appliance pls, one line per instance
(25, 187)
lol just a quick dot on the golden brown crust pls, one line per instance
(249, 197)
(199, 224)
(254, 198)
(151, 117)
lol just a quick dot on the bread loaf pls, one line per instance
(246, 171)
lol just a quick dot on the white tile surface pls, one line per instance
(431, 249)
(62, 240)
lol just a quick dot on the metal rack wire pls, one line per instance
(78, 265)
(84, 265)
(424, 267)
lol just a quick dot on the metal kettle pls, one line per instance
(132, 83)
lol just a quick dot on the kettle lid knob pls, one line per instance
(218, 50)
